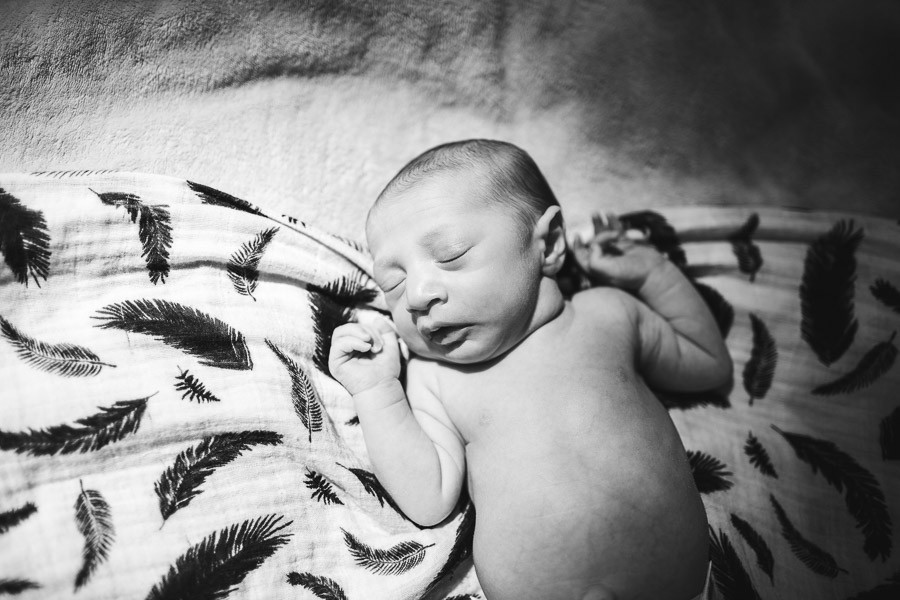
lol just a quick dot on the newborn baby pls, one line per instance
(581, 485)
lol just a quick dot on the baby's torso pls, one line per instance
(573, 465)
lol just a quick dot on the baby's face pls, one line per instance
(459, 283)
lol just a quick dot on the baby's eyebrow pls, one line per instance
(383, 265)
(435, 238)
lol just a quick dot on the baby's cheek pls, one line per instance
(410, 336)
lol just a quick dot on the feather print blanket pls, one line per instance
(169, 429)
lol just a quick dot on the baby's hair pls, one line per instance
(514, 179)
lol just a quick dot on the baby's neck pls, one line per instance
(550, 304)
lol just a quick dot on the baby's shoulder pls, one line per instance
(604, 303)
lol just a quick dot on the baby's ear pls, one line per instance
(551, 231)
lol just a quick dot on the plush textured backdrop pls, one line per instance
(309, 107)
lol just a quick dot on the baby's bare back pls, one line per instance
(578, 476)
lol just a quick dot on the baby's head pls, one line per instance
(467, 239)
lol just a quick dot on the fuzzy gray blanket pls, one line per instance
(311, 106)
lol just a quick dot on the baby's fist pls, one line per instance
(617, 260)
(364, 355)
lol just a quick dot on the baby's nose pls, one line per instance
(422, 295)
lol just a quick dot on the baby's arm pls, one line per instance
(681, 348)
(416, 452)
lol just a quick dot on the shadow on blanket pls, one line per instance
(168, 427)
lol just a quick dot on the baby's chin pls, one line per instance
(465, 353)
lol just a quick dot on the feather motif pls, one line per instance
(155, 233)
(728, 572)
(657, 231)
(889, 436)
(352, 243)
(322, 587)
(304, 396)
(154, 230)
(889, 590)
(72, 173)
(760, 369)
(749, 258)
(322, 488)
(812, 556)
(721, 309)
(759, 457)
(875, 363)
(24, 240)
(214, 342)
(373, 487)
(327, 316)
(212, 196)
(347, 291)
(94, 521)
(243, 266)
(885, 292)
(296, 221)
(764, 558)
(710, 474)
(396, 560)
(828, 324)
(747, 253)
(67, 360)
(98, 430)
(462, 544)
(179, 484)
(193, 388)
(14, 587)
(746, 230)
(862, 494)
(11, 518)
(217, 564)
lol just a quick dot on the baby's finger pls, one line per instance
(601, 263)
(371, 335)
(359, 331)
(384, 326)
(604, 237)
(348, 344)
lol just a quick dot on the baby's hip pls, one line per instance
(535, 560)
(565, 556)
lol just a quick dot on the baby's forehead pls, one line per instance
(443, 191)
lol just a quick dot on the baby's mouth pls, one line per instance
(447, 335)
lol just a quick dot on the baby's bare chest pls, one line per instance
(541, 389)
(558, 412)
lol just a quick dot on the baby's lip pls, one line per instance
(443, 334)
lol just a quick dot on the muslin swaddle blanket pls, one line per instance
(169, 429)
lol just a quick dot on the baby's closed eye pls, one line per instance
(452, 256)
(391, 284)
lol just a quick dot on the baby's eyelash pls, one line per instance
(393, 287)
(456, 257)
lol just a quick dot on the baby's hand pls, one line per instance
(364, 355)
(615, 258)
